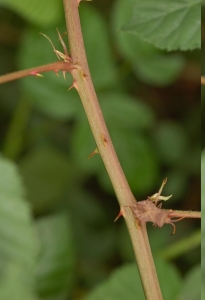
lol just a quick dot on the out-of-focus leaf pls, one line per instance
(17, 236)
(137, 158)
(176, 185)
(94, 239)
(46, 173)
(18, 242)
(126, 112)
(39, 12)
(98, 49)
(55, 269)
(16, 283)
(192, 285)
(171, 142)
(126, 118)
(125, 283)
(203, 292)
(169, 25)
(150, 64)
(94, 235)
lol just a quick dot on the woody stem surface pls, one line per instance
(85, 88)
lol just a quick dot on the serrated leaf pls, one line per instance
(17, 236)
(55, 273)
(125, 283)
(46, 173)
(149, 63)
(192, 285)
(39, 12)
(169, 25)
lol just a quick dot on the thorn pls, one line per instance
(93, 153)
(71, 87)
(56, 72)
(62, 43)
(162, 186)
(34, 73)
(74, 85)
(61, 55)
(118, 216)
(54, 49)
(165, 198)
(174, 230)
(64, 74)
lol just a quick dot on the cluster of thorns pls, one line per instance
(150, 211)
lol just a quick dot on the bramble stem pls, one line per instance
(93, 111)
(186, 214)
(56, 66)
(78, 67)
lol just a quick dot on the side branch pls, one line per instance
(56, 66)
(186, 214)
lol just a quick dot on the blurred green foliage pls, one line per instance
(57, 236)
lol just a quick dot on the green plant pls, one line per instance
(62, 109)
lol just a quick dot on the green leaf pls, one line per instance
(91, 227)
(177, 183)
(126, 112)
(149, 63)
(17, 236)
(125, 283)
(203, 292)
(39, 12)
(17, 283)
(169, 25)
(18, 241)
(171, 142)
(55, 269)
(192, 285)
(133, 147)
(46, 173)
(98, 48)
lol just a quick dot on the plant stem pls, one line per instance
(186, 214)
(84, 86)
(56, 66)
